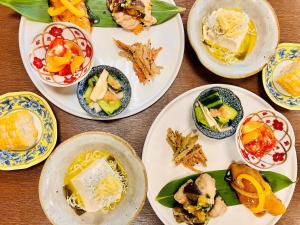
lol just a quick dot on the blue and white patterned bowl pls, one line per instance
(285, 53)
(231, 99)
(10, 102)
(115, 73)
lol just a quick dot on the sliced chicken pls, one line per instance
(219, 208)
(207, 187)
(133, 14)
(180, 195)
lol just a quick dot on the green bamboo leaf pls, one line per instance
(35, 10)
(164, 11)
(276, 180)
(166, 195)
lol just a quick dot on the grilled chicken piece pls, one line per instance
(207, 187)
(67, 16)
(219, 208)
(180, 195)
(131, 14)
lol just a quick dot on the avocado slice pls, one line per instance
(114, 83)
(226, 114)
(109, 107)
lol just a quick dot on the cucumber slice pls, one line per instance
(200, 116)
(87, 94)
(212, 101)
(109, 107)
(227, 113)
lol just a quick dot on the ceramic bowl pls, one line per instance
(285, 54)
(117, 74)
(284, 135)
(231, 99)
(267, 28)
(40, 45)
(51, 192)
(45, 122)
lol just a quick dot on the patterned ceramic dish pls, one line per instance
(10, 102)
(51, 191)
(231, 99)
(285, 54)
(284, 135)
(115, 73)
(267, 27)
(40, 46)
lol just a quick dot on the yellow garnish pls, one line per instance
(201, 200)
(59, 10)
(290, 82)
(138, 29)
(73, 9)
(109, 186)
(259, 190)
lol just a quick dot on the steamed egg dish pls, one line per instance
(95, 181)
(229, 34)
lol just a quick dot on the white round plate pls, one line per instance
(169, 36)
(51, 192)
(267, 27)
(157, 156)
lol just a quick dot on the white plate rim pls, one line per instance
(166, 108)
(146, 105)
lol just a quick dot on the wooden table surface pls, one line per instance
(19, 201)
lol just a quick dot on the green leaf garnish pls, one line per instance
(166, 195)
(37, 10)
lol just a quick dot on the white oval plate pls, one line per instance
(51, 183)
(157, 156)
(265, 19)
(169, 35)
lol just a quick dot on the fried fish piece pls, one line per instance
(68, 16)
(273, 205)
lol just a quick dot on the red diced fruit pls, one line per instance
(65, 71)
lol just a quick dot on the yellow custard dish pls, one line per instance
(229, 34)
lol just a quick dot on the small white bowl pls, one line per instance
(284, 135)
(40, 43)
(267, 27)
(51, 192)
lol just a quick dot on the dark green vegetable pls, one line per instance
(87, 94)
(37, 10)
(212, 101)
(109, 107)
(227, 113)
(166, 195)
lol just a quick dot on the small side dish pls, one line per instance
(254, 192)
(281, 76)
(198, 201)
(264, 139)
(105, 92)
(217, 112)
(64, 57)
(229, 34)
(289, 78)
(95, 181)
(132, 15)
(74, 11)
(186, 149)
(61, 54)
(28, 130)
(18, 131)
(143, 58)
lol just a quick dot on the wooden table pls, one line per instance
(19, 201)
